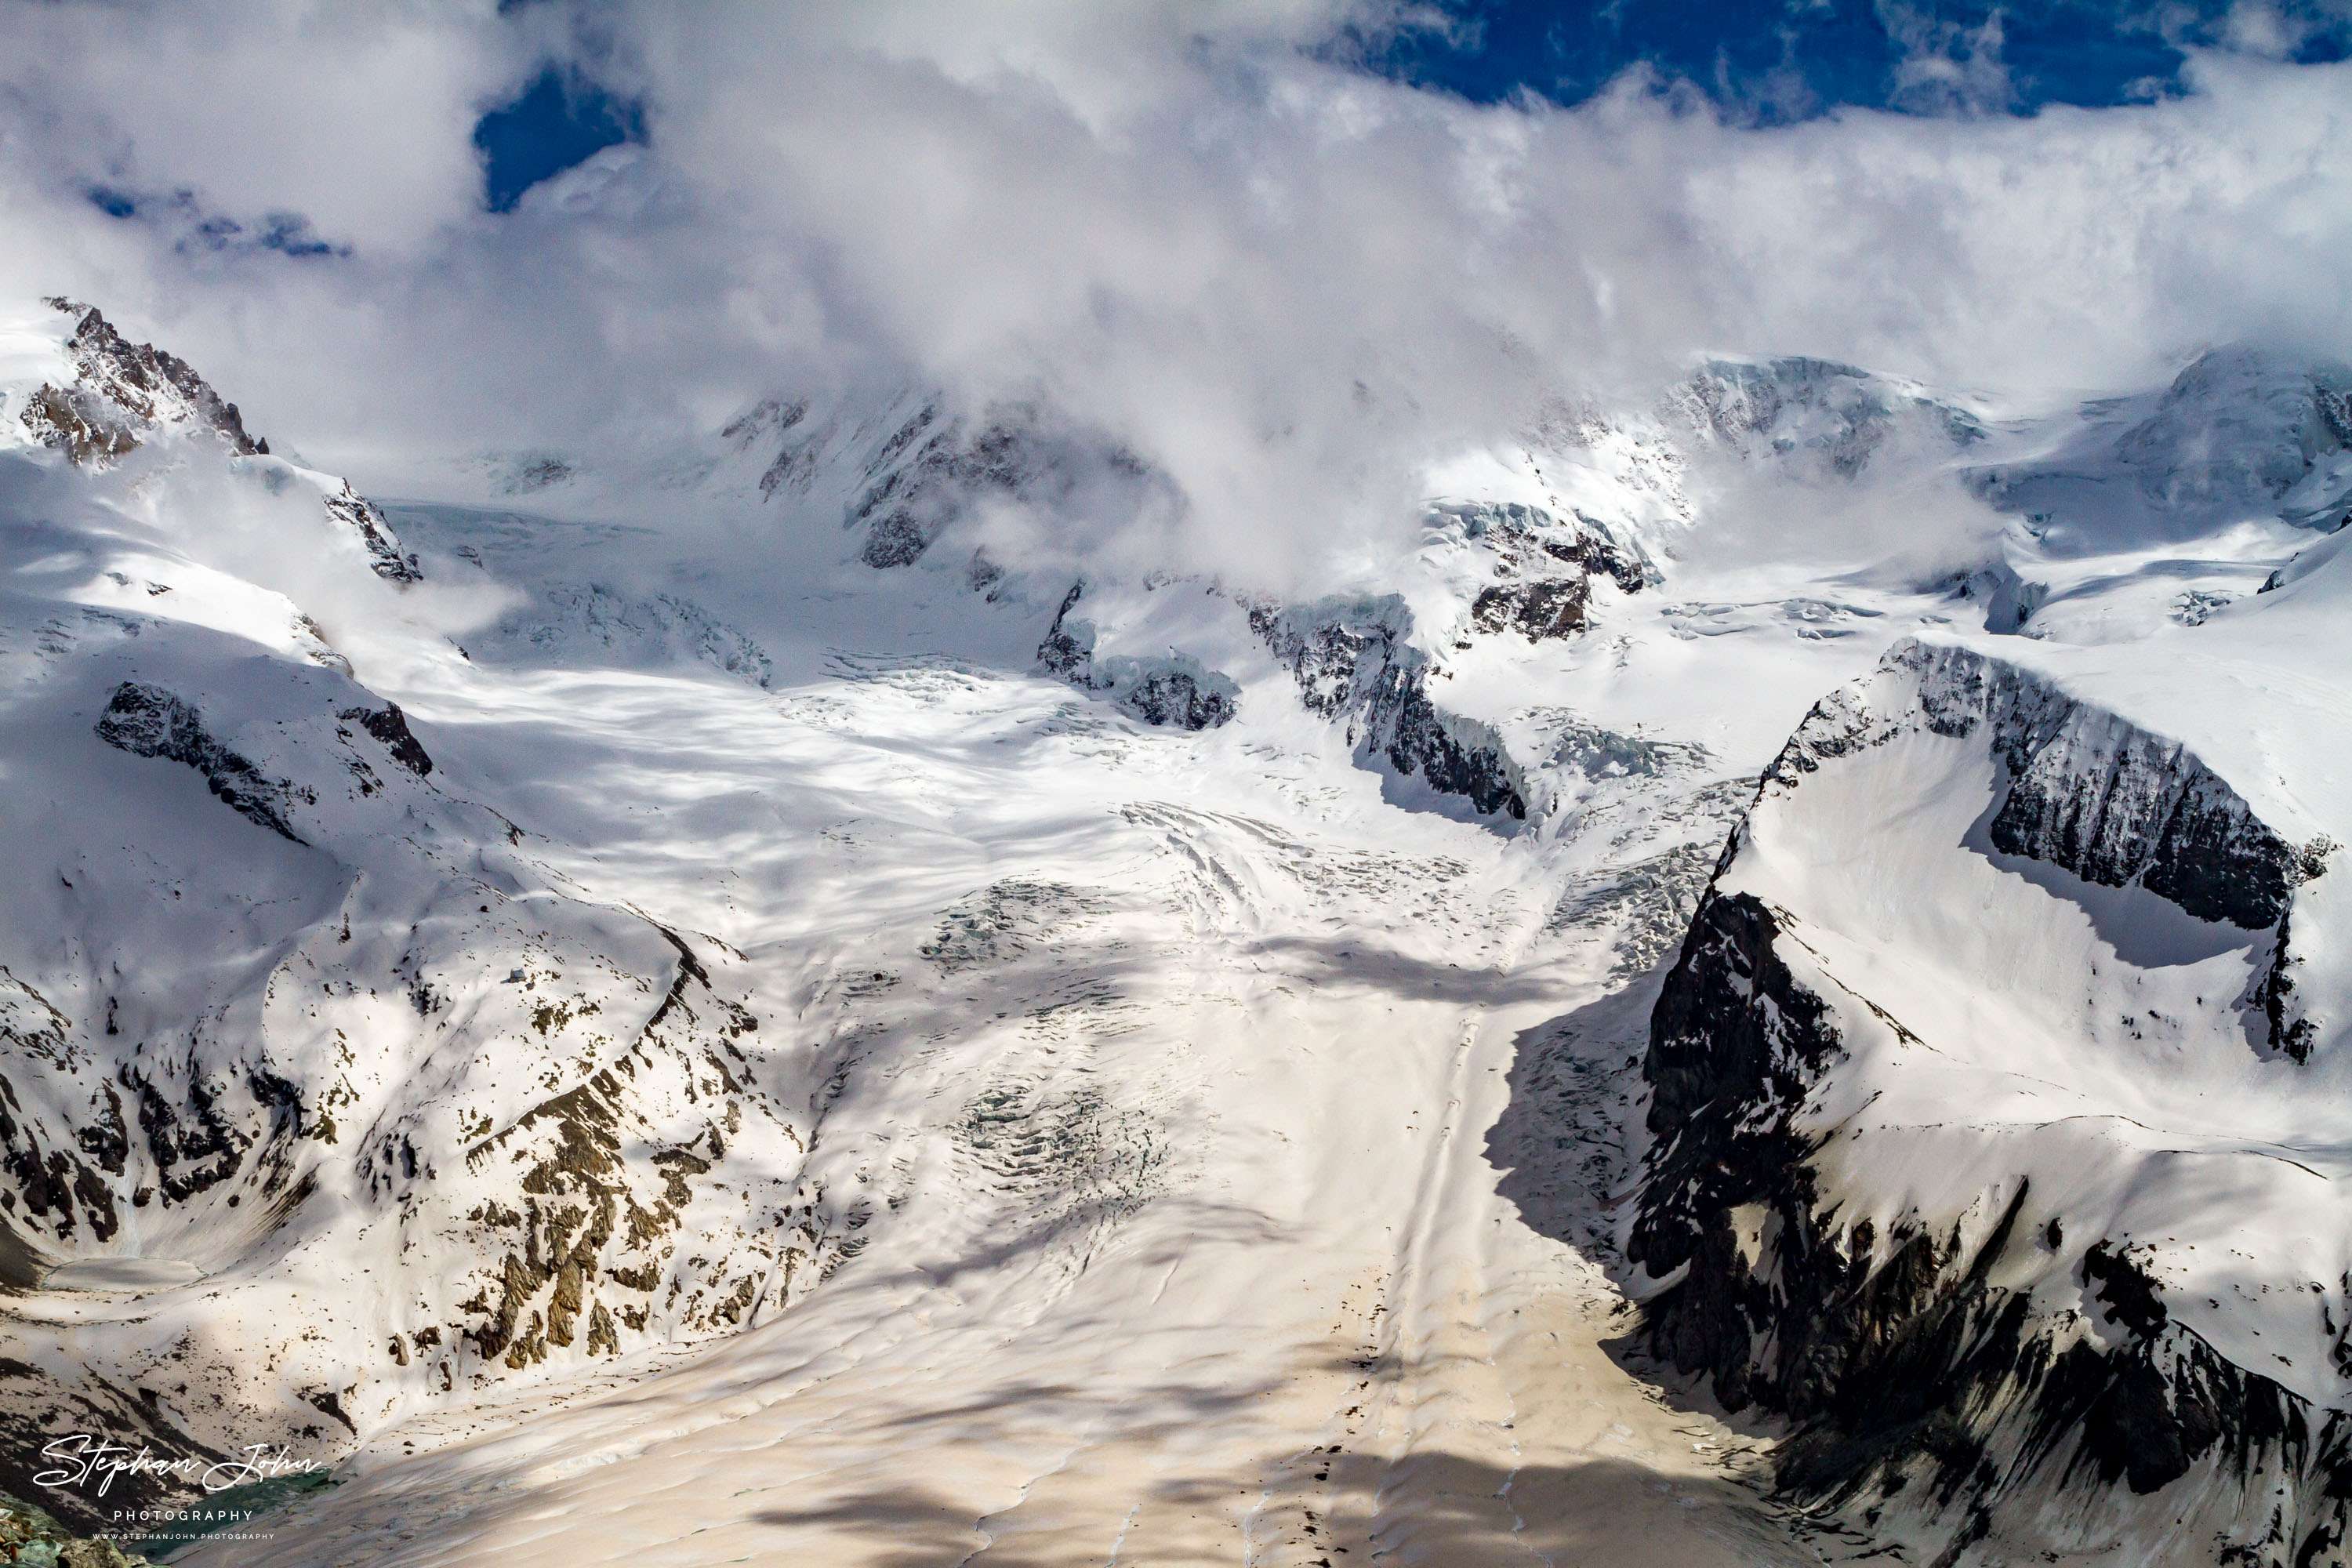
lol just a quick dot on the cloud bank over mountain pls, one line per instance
(1288, 281)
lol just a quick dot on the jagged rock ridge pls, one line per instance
(123, 389)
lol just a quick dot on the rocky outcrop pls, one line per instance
(32, 1536)
(1354, 666)
(149, 722)
(124, 388)
(588, 1220)
(390, 725)
(56, 1188)
(1548, 607)
(70, 420)
(151, 385)
(1543, 568)
(364, 517)
(925, 474)
(1174, 690)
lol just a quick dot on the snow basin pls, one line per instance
(120, 1274)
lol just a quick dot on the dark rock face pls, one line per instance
(1176, 697)
(390, 727)
(1777, 1305)
(1061, 652)
(1734, 1044)
(1339, 652)
(796, 460)
(1174, 691)
(149, 722)
(981, 575)
(1421, 741)
(1547, 607)
(2274, 992)
(1543, 567)
(2154, 813)
(897, 540)
(2193, 841)
(1895, 1356)
(56, 1184)
(2083, 789)
(53, 1191)
(1352, 662)
(195, 1129)
(1594, 554)
(191, 1136)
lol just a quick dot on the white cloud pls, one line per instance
(1288, 282)
(1946, 66)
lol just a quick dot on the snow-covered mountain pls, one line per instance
(767, 1003)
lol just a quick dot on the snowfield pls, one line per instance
(735, 1014)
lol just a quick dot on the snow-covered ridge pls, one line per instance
(1977, 1024)
(1827, 417)
(2086, 791)
(323, 1093)
(2241, 431)
(97, 398)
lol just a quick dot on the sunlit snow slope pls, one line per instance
(725, 1014)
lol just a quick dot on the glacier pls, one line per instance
(770, 1005)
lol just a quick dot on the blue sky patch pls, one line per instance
(559, 121)
(1779, 60)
